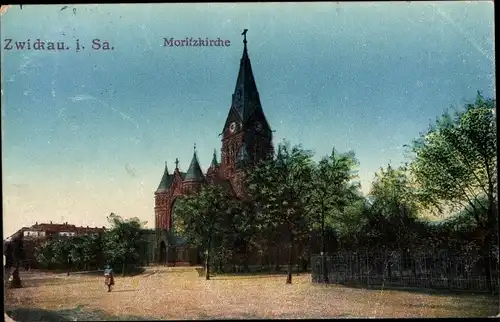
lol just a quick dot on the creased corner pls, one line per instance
(4, 8)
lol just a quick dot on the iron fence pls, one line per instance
(433, 271)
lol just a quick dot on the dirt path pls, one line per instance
(178, 293)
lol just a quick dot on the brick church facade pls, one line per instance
(246, 139)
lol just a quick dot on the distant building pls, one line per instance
(58, 230)
(39, 233)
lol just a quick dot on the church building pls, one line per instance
(246, 139)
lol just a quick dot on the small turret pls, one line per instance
(194, 173)
(214, 162)
(166, 180)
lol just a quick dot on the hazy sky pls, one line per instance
(87, 133)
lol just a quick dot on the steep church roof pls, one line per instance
(194, 172)
(166, 180)
(246, 97)
(214, 160)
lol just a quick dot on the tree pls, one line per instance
(70, 252)
(281, 187)
(76, 251)
(91, 247)
(123, 242)
(44, 253)
(62, 249)
(14, 253)
(351, 224)
(202, 218)
(333, 190)
(393, 210)
(454, 165)
(246, 229)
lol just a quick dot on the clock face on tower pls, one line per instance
(232, 127)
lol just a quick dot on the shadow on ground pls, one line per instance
(130, 272)
(253, 275)
(76, 314)
(27, 283)
(430, 291)
(485, 304)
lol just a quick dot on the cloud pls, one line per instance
(130, 171)
(25, 64)
(3, 9)
(86, 97)
(82, 97)
(53, 83)
(466, 36)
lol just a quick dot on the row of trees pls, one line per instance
(120, 246)
(295, 200)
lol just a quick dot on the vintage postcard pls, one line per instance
(249, 161)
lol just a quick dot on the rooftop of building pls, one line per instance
(63, 227)
(56, 228)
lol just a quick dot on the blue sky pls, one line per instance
(87, 133)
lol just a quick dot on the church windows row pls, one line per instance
(161, 201)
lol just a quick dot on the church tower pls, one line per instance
(246, 136)
(246, 140)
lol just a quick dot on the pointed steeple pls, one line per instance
(246, 97)
(194, 172)
(214, 160)
(166, 180)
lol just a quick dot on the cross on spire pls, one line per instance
(176, 163)
(195, 147)
(244, 33)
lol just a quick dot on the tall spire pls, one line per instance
(194, 172)
(246, 97)
(214, 160)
